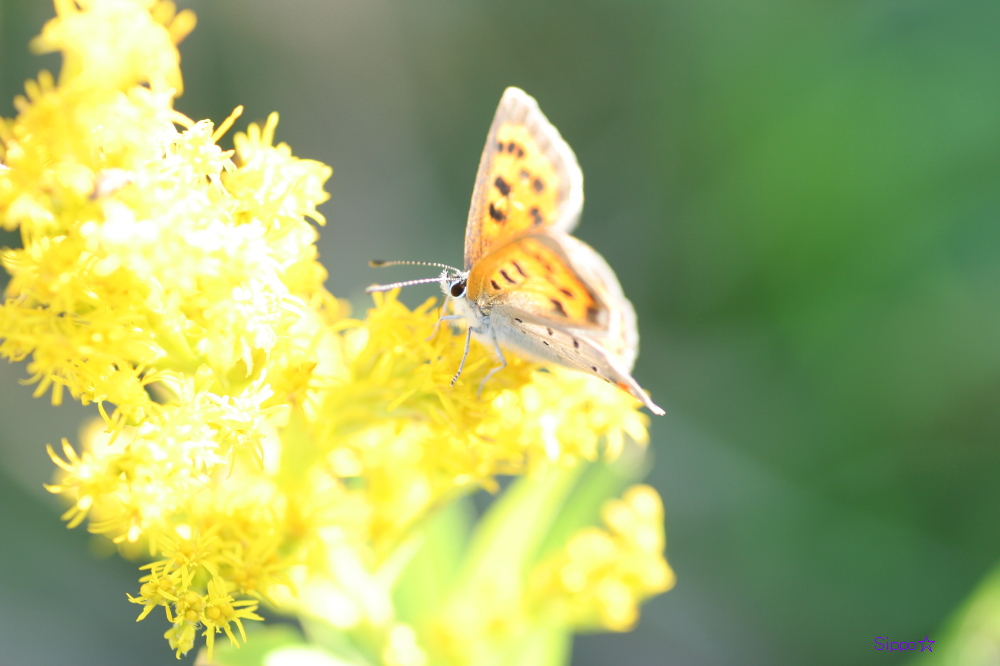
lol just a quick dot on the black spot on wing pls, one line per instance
(536, 216)
(538, 185)
(549, 330)
(506, 277)
(593, 315)
(502, 185)
(557, 304)
(576, 343)
(567, 292)
(495, 285)
(518, 320)
(546, 344)
(519, 269)
(497, 214)
(546, 265)
(525, 175)
(500, 146)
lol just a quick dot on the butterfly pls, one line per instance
(528, 286)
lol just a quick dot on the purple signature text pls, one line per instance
(903, 645)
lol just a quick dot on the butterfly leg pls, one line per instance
(437, 326)
(503, 364)
(461, 364)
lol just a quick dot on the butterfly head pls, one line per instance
(454, 285)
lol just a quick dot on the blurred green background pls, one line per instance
(800, 197)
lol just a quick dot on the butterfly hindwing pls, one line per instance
(620, 330)
(528, 179)
(572, 349)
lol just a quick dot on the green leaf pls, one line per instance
(304, 655)
(343, 645)
(507, 538)
(582, 507)
(972, 636)
(543, 646)
(261, 641)
(431, 573)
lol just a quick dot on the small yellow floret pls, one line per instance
(602, 575)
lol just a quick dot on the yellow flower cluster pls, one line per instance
(518, 589)
(256, 442)
(601, 575)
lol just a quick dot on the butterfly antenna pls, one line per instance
(380, 263)
(407, 283)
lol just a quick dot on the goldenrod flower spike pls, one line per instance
(602, 575)
(255, 444)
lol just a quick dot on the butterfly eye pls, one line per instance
(458, 289)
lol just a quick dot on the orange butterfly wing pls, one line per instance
(533, 274)
(528, 179)
(560, 292)
(549, 295)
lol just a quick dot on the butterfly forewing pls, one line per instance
(534, 274)
(528, 179)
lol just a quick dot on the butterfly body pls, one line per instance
(528, 286)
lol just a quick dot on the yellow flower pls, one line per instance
(117, 44)
(220, 610)
(602, 575)
(255, 442)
